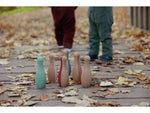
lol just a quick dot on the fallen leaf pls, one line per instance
(14, 94)
(1, 91)
(135, 72)
(67, 89)
(56, 91)
(138, 71)
(27, 97)
(99, 89)
(25, 83)
(4, 61)
(8, 68)
(128, 60)
(71, 58)
(138, 47)
(82, 103)
(138, 63)
(44, 98)
(90, 100)
(129, 71)
(96, 68)
(120, 66)
(132, 83)
(118, 52)
(125, 91)
(122, 81)
(144, 104)
(141, 77)
(30, 103)
(6, 102)
(71, 93)
(22, 66)
(17, 88)
(93, 72)
(71, 82)
(20, 57)
(106, 83)
(60, 95)
(20, 102)
(114, 90)
(69, 100)
(96, 86)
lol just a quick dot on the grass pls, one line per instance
(18, 10)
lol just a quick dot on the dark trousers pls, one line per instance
(100, 22)
(64, 21)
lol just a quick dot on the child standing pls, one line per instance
(100, 20)
(64, 22)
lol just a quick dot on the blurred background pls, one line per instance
(34, 26)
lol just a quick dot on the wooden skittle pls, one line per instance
(76, 70)
(40, 77)
(86, 74)
(63, 76)
(66, 53)
(59, 74)
(51, 73)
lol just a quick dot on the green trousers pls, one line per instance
(100, 21)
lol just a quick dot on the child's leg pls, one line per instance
(94, 38)
(106, 39)
(69, 27)
(59, 32)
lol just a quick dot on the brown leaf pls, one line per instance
(128, 60)
(44, 98)
(14, 94)
(138, 47)
(96, 86)
(5, 102)
(141, 77)
(56, 91)
(1, 91)
(99, 89)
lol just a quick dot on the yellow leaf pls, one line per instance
(8, 68)
(122, 81)
(71, 58)
(138, 63)
(71, 82)
(129, 71)
(138, 71)
(135, 72)
(118, 52)
(93, 72)
(4, 61)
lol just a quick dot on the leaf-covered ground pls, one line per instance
(25, 36)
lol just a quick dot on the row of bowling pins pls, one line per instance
(64, 72)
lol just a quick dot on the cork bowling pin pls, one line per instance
(40, 77)
(86, 74)
(76, 70)
(51, 73)
(63, 77)
(66, 53)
